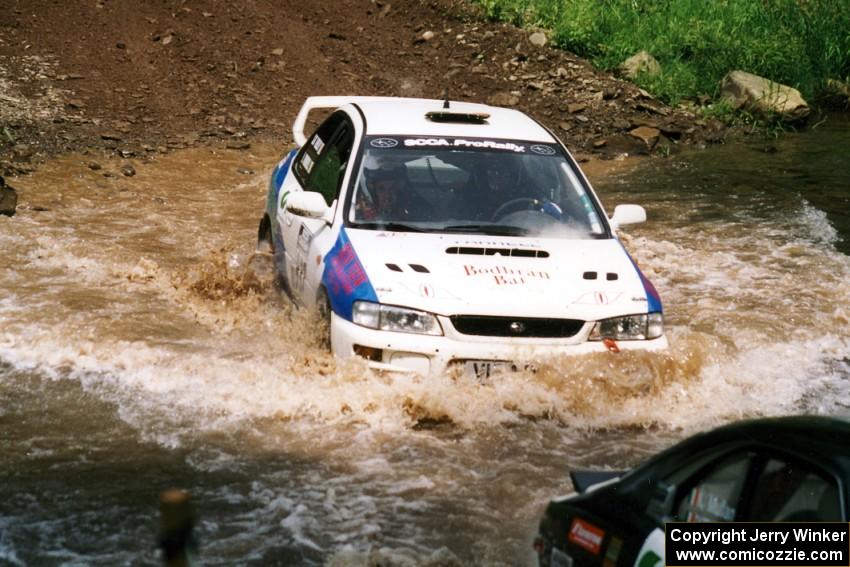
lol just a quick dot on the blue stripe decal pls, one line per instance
(653, 299)
(345, 278)
(276, 182)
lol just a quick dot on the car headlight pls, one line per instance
(629, 328)
(392, 318)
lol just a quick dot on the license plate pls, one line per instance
(483, 369)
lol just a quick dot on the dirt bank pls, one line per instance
(136, 79)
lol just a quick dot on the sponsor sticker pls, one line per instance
(307, 163)
(598, 298)
(299, 265)
(613, 552)
(503, 275)
(345, 278)
(542, 150)
(465, 144)
(384, 143)
(586, 535)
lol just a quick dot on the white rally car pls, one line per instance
(436, 233)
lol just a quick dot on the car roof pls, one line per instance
(820, 439)
(406, 117)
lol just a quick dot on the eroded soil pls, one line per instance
(136, 79)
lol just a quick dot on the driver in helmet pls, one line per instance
(505, 193)
(386, 194)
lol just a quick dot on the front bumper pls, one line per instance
(426, 354)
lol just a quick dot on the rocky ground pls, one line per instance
(138, 78)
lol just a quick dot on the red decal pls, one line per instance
(586, 535)
(426, 290)
(356, 274)
(347, 270)
(504, 275)
(611, 345)
(601, 298)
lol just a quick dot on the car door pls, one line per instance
(759, 485)
(788, 489)
(711, 488)
(320, 166)
(749, 485)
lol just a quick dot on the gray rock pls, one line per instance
(128, 170)
(763, 97)
(503, 99)
(837, 93)
(640, 63)
(647, 135)
(538, 39)
(623, 144)
(8, 199)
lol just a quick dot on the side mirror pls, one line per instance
(628, 214)
(308, 204)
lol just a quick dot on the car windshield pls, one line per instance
(477, 186)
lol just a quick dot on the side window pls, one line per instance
(793, 492)
(715, 493)
(322, 162)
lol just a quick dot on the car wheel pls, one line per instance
(265, 245)
(323, 306)
(264, 236)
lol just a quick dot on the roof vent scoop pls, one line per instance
(465, 117)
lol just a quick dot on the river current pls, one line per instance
(143, 347)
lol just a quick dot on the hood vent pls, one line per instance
(511, 252)
(610, 276)
(415, 267)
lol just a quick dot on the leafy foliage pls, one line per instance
(801, 43)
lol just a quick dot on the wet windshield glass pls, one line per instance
(470, 186)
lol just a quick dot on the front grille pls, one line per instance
(516, 326)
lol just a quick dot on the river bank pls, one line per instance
(129, 81)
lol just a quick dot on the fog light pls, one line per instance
(369, 353)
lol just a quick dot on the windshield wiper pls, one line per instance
(492, 229)
(389, 225)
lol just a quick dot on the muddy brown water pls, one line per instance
(142, 347)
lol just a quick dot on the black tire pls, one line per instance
(265, 245)
(323, 307)
(264, 236)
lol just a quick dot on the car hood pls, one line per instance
(502, 276)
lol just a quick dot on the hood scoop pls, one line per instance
(508, 252)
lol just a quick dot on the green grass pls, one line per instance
(800, 43)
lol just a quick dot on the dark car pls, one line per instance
(777, 469)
